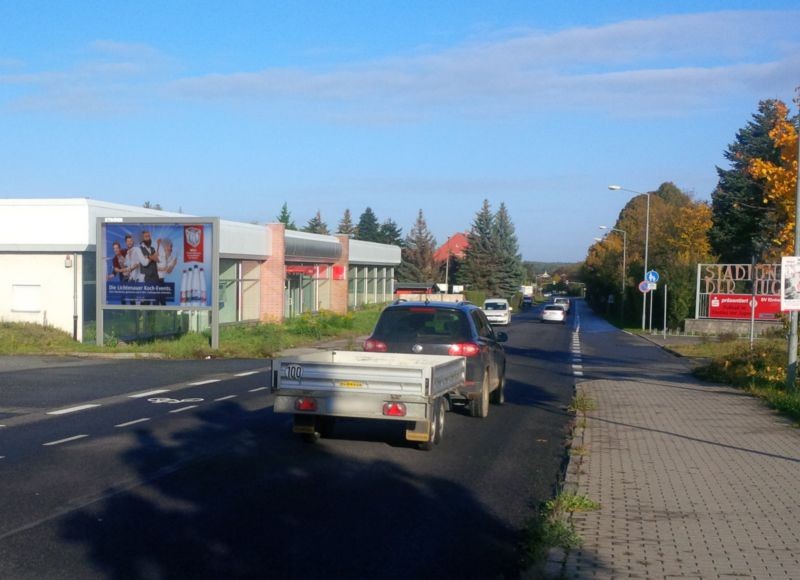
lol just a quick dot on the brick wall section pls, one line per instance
(273, 276)
(339, 287)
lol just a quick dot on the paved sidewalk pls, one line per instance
(694, 481)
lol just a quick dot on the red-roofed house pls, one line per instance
(454, 247)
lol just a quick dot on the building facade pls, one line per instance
(49, 262)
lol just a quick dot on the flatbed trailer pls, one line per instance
(319, 387)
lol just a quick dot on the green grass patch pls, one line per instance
(246, 341)
(551, 527)
(760, 372)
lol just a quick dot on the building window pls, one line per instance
(239, 290)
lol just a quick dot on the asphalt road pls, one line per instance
(220, 488)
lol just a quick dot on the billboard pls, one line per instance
(738, 306)
(156, 264)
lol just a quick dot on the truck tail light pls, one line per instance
(464, 349)
(305, 404)
(394, 409)
(372, 345)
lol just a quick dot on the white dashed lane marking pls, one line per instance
(148, 393)
(67, 440)
(258, 389)
(72, 409)
(134, 422)
(246, 374)
(206, 382)
(184, 409)
(226, 398)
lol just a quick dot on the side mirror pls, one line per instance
(510, 308)
(501, 337)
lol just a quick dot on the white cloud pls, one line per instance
(666, 65)
(662, 66)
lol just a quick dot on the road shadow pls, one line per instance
(238, 497)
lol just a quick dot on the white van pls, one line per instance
(497, 310)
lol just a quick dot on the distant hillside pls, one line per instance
(569, 270)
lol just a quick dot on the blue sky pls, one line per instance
(231, 108)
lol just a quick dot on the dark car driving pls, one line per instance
(447, 328)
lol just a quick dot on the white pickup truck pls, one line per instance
(318, 387)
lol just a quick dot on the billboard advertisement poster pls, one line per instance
(157, 264)
(737, 306)
(790, 283)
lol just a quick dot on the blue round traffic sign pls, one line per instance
(651, 276)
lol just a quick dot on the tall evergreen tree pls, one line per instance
(316, 225)
(418, 264)
(390, 233)
(285, 217)
(479, 257)
(508, 265)
(346, 225)
(368, 228)
(743, 225)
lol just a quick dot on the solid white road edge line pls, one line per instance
(225, 398)
(60, 441)
(246, 374)
(148, 393)
(72, 409)
(206, 382)
(258, 389)
(129, 423)
(183, 409)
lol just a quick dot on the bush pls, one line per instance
(475, 296)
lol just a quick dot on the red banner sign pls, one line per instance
(193, 243)
(738, 306)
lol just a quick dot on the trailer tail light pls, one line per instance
(464, 349)
(394, 409)
(372, 345)
(305, 404)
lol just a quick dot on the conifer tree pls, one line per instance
(316, 225)
(346, 225)
(368, 228)
(476, 271)
(390, 233)
(508, 270)
(285, 217)
(418, 264)
(742, 225)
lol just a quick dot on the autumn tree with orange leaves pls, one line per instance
(779, 181)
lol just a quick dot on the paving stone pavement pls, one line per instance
(694, 481)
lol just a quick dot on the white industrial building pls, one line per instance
(48, 262)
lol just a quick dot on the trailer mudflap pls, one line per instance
(420, 432)
(305, 424)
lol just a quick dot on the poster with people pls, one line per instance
(158, 264)
(790, 283)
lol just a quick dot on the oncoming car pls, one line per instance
(497, 310)
(554, 313)
(446, 328)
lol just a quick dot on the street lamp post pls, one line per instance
(624, 257)
(646, 243)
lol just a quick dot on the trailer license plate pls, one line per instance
(351, 384)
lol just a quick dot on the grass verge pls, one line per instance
(251, 341)
(760, 372)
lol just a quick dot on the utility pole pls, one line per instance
(791, 370)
